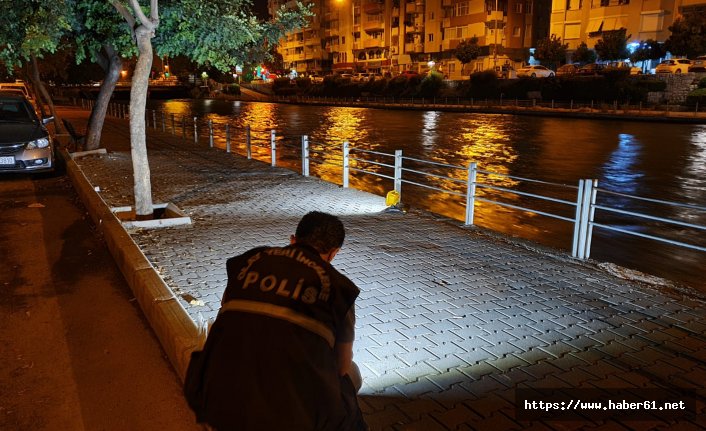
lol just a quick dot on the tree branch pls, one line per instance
(149, 23)
(122, 10)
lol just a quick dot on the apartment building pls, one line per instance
(576, 21)
(390, 36)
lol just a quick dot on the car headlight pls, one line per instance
(38, 143)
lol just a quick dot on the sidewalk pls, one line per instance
(450, 319)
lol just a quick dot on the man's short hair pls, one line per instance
(320, 230)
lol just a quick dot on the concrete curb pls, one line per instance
(174, 328)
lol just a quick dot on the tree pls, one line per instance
(583, 55)
(613, 46)
(550, 51)
(648, 50)
(467, 50)
(100, 36)
(219, 33)
(28, 30)
(688, 36)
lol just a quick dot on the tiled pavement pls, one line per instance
(450, 319)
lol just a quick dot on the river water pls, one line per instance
(659, 161)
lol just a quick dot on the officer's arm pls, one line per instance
(344, 343)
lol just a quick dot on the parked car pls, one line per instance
(535, 71)
(590, 69)
(673, 65)
(409, 73)
(623, 66)
(361, 77)
(316, 78)
(17, 86)
(567, 70)
(698, 64)
(25, 144)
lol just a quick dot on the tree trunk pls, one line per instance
(138, 137)
(42, 90)
(97, 118)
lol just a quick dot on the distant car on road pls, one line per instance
(673, 65)
(698, 64)
(25, 144)
(535, 71)
(361, 77)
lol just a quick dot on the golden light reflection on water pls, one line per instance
(487, 143)
(338, 124)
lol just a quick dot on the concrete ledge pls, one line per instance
(174, 328)
(171, 216)
(79, 154)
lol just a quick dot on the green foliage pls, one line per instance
(697, 96)
(483, 84)
(583, 55)
(688, 35)
(702, 83)
(431, 84)
(550, 51)
(467, 50)
(223, 33)
(613, 46)
(95, 24)
(614, 74)
(30, 29)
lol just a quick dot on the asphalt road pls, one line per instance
(76, 353)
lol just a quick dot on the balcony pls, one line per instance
(374, 25)
(373, 7)
(413, 47)
(373, 43)
(410, 8)
(450, 44)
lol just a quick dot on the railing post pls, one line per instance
(346, 167)
(248, 142)
(196, 130)
(183, 127)
(584, 219)
(154, 119)
(577, 221)
(305, 155)
(227, 138)
(173, 126)
(593, 187)
(210, 133)
(273, 147)
(398, 172)
(471, 192)
(164, 124)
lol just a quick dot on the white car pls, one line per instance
(674, 65)
(535, 71)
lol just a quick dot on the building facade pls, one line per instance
(391, 36)
(577, 21)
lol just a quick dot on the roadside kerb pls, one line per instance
(174, 328)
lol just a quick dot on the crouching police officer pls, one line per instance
(280, 352)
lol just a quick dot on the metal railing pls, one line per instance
(467, 182)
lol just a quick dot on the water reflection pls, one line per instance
(429, 129)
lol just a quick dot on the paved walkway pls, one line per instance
(451, 320)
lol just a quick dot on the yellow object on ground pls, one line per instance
(392, 198)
